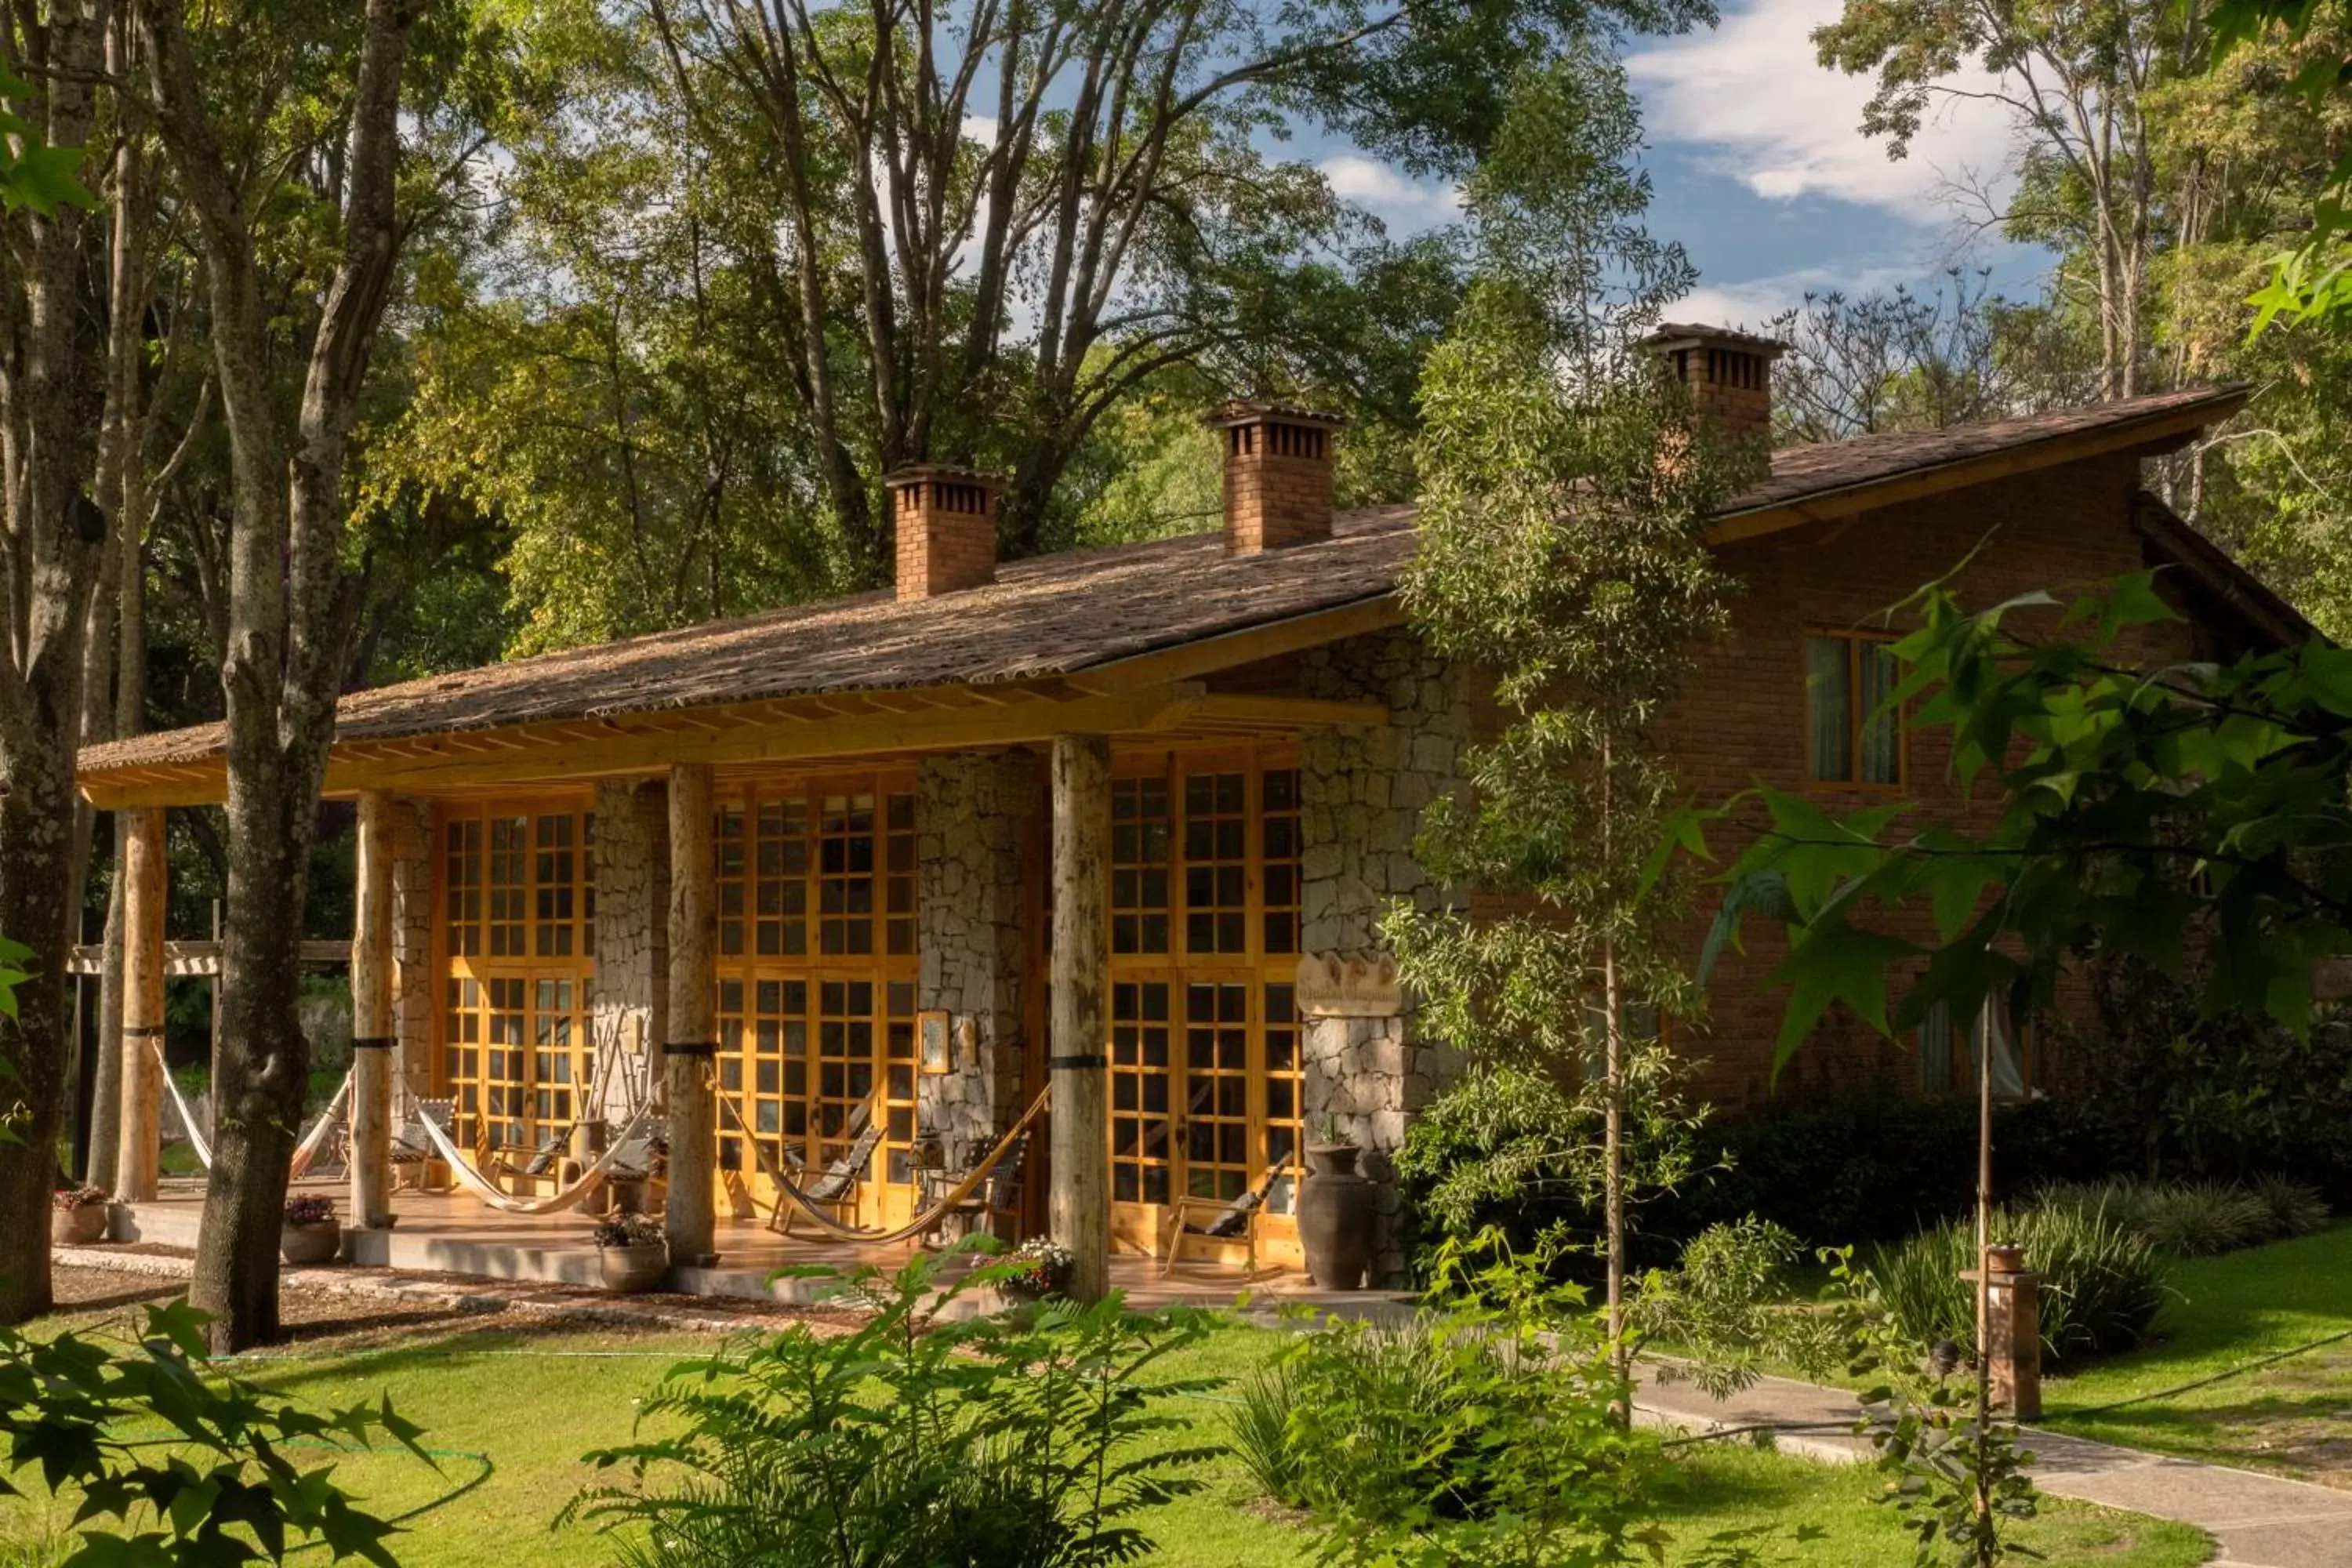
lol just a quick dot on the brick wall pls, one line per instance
(1743, 717)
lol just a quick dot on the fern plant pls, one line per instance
(1028, 1441)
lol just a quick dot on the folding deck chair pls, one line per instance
(836, 1187)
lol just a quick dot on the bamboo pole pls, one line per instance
(371, 1026)
(140, 1146)
(1078, 1211)
(687, 1056)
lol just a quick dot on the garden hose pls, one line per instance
(2238, 1371)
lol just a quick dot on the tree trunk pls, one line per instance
(1078, 1070)
(140, 1076)
(372, 1041)
(35, 908)
(693, 1020)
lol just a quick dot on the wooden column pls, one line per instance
(372, 1037)
(140, 1148)
(693, 1016)
(1078, 1206)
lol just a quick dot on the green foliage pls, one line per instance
(2194, 1219)
(1027, 1441)
(1725, 1306)
(197, 1470)
(1260, 1431)
(2135, 806)
(2103, 1281)
(1479, 1432)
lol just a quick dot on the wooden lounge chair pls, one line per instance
(999, 1191)
(411, 1152)
(1235, 1219)
(538, 1161)
(837, 1186)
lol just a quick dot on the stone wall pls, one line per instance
(413, 1002)
(630, 1000)
(975, 813)
(1362, 794)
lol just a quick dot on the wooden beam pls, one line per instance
(372, 1024)
(1302, 713)
(1206, 655)
(140, 1147)
(693, 1026)
(1078, 1069)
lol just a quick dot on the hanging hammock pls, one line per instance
(487, 1190)
(304, 1152)
(927, 1220)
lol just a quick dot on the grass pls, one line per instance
(535, 1401)
(2293, 1417)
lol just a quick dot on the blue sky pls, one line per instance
(1761, 170)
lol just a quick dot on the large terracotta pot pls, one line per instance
(317, 1242)
(79, 1226)
(630, 1269)
(1335, 1207)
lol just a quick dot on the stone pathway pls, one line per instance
(2256, 1521)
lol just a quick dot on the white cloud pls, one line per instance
(1753, 99)
(1400, 202)
(1752, 303)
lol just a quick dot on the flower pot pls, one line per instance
(630, 1269)
(317, 1242)
(1336, 1208)
(79, 1226)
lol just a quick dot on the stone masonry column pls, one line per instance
(413, 1002)
(1362, 793)
(630, 1008)
(974, 814)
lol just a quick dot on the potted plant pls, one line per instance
(1336, 1208)
(78, 1215)
(631, 1252)
(309, 1234)
(1035, 1270)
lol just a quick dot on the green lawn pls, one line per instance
(534, 1401)
(2293, 1416)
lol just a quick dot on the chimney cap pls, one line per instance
(953, 473)
(1249, 411)
(1670, 335)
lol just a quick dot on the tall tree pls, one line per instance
(984, 224)
(55, 539)
(289, 610)
(1567, 489)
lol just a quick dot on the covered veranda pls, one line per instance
(564, 864)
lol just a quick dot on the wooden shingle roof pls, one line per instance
(1061, 615)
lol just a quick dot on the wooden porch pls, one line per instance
(451, 1233)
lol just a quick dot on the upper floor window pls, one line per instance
(1852, 735)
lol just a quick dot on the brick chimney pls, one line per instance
(1277, 474)
(945, 519)
(1730, 373)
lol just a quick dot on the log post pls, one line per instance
(1078, 1209)
(686, 1056)
(140, 1148)
(373, 1038)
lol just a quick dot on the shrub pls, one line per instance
(2102, 1282)
(1725, 1305)
(1479, 1432)
(64, 1200)
(1028, 1441)
(1260, 1427)
(2196, 1219)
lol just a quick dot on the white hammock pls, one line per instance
(482, 1187)
(304, 1152)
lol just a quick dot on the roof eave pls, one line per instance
(2156, 430)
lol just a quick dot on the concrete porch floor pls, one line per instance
(451, 1233)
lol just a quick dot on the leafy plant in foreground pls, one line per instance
(198, 1469)
(1024, 1441)
(1481, 1433)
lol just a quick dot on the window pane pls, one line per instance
(1828, 711)
(1882, 726)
